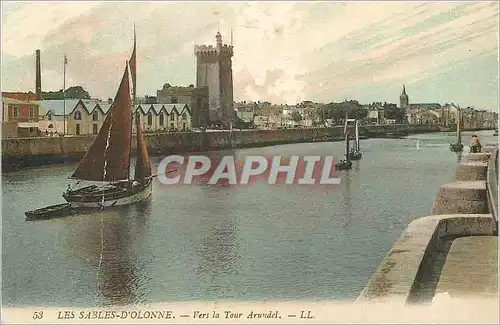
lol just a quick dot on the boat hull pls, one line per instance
(456, 147)
(344, 165)
(96, 202)
(53, 211)
(357, 155)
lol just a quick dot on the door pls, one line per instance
(78, 129)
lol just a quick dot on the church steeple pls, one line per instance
(218, 39)
(403, 99)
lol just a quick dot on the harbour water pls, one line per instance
(201, 242)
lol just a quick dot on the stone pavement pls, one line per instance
(471, 268)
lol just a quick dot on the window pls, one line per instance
(95, 116)
(16, 112)
(51, 126)
(172, 126)
(94, 128)
(78, 129)
(173, 100)
(49, 116)
(162, 119)
(138, 117)
(31, 112)
(184, 116)
(77, 115)
(172, 117)
(183, 126)
(150, 118)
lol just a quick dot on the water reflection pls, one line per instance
(107, 245)
(219, 257)
(346, 192)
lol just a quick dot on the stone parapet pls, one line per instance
(408, 272)
(474, 170)
(461, 197)
(482, 156)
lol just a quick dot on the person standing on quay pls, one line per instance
(475, 145)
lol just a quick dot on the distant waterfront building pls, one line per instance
(85, 117)
(164, 117)
(195, 97)
(80, 116)
(214, 70)
(19, 118)
(376, 113)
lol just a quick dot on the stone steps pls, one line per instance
(464, 197)
(474, 170)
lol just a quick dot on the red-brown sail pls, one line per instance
(132, 63)
(108, 157)
(142, 166)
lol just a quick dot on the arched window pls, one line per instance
(150, 118)
(77, 115)
(184, 116)
(49, 116)
(95, 116)
(162, 119)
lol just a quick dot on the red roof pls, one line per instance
(29, 96)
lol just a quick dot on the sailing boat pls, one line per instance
(458, 146)
(355, 153)
(345, 164)
(108, 159)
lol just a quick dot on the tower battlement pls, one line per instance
(210, 50)
(214, 70)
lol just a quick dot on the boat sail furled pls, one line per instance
(345, 164)
(356, 154)
(108, 159)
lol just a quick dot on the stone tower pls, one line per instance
(214, 70)
(403, 99)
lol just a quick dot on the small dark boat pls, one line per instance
(52, 211)
(343, 165)
(458, 146)
(355, 155)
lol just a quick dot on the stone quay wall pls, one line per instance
(467, 207)
(22, 152)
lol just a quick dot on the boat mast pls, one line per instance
(357, 136)
(132, 62)
(346, 138)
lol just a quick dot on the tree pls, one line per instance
(296, 116)
(393, 112)
(75, 92)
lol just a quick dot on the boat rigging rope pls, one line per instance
(101, 254)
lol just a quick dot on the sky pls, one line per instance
(284, 52)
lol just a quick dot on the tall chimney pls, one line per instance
(38, 77)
